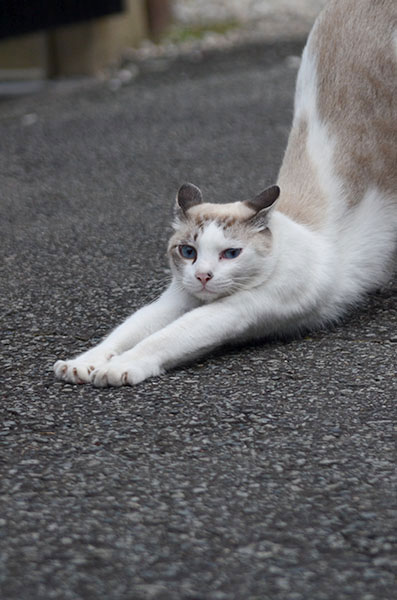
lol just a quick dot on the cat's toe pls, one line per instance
(99, 378)
(80, 375)
(60, 369)
(116, 376)
(64, 371)
(140, 371)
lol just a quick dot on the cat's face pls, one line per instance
(218, 249)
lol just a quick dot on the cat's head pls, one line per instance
(219, 249)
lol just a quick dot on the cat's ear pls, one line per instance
(188, 195)
(262, 205)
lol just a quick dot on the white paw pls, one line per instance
(73, 371)
(80, 369)
(119, 372)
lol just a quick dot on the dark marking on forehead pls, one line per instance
(224, 221)
(228, 221)
(201, 220)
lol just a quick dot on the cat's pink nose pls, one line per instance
(204, 277)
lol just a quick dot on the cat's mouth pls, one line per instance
(202, 292)
(209, 295)
(205, 293)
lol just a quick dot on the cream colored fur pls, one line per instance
(277, 266)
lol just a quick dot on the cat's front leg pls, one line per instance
(195, 333)
(171, 304)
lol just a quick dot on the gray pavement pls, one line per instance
(260, 473)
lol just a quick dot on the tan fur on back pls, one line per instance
(298, 180)
(354, 43)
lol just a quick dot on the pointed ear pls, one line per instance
(265, 199)
(262, 204)
(188, 195)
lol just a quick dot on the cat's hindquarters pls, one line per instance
(367, 244)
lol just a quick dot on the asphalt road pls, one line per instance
(260, 473)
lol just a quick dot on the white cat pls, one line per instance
(290, 260)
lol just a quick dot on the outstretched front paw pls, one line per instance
(80, 369)
(120, 371)
(73, 371)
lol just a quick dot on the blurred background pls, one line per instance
(41, 39)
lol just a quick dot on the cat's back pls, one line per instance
(354, 46)
(343, 139)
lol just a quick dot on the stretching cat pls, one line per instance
(283, 262)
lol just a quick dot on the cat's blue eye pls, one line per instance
(231, 253)
(187, 251)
